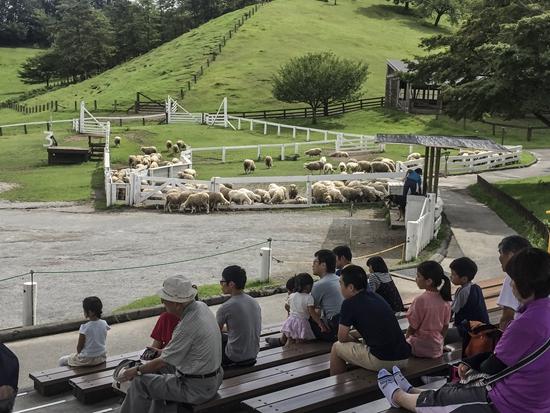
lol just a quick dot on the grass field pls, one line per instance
(11, 59)
(372, 30)
(159, 72)
(24, 159)
(533, 193)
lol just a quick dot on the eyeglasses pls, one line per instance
(223, 282)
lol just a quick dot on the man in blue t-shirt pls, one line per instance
(384, 344)
(9, 378)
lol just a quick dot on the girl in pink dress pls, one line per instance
(296, 328)
(430, 312)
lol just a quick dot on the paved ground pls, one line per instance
(476, 230)
(69, 238)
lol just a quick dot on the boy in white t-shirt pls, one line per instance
(507, 248)
(90, 350)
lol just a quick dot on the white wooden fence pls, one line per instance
(88, 124)
(147, 190)
(470, 163)
(423, 219)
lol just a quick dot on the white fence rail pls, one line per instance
(423, 219)
(147, 190)
(470, 163)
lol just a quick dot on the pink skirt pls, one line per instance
(297, 328)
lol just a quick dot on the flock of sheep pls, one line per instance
(196, 197)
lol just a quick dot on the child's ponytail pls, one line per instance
(432, 270)
(445, 290)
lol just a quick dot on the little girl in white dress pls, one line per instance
(296, 328)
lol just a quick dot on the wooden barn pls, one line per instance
(406, 96)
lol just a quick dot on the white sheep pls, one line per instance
(413, 156)
(153, 165)
(215, 199)
(364, 166)
(342, 166)
(314, 152)
(352, 167)
(116, 141)
(379, 166)
(323, 159)
(239, 197)
(292, 191)
(327, 168)
(278, 196)
(190, 171)
(176, 160)
(174, 198)
(352, 194)
(169, 145)
(264, 195)
(249, 166)
(175, 149)
(336, 195)
(183, 175)
(181, 145)
(274, 188)
(196, 202)
(253, 196)
(148, 150)
(269, 162)
(339, 154)
(314, 166)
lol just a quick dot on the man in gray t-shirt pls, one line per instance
(240, 320)
(327, 297)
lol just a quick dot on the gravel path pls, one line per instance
(68, 237)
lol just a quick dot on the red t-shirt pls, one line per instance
(164, 328)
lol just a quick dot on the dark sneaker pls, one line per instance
(273, 341)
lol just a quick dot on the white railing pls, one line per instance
(281, 148)
(89, 124)
(470, 163)
(353, 142)
(149, 188)
(423, 219)
(176, 113)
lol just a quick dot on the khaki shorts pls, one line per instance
(359, 355)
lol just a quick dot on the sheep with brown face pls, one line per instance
(314, 166)
(269, 162)
(175, 198)
(215, 199)
(292, 191)
(116, 141)
(169, 145)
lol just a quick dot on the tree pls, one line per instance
(497, 63)
(319, 79)
(39, 69)
(83, 40)
(452, 8)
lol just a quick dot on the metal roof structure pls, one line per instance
(442, 141)
(398, 65)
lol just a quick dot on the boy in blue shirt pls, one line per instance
(468, 302)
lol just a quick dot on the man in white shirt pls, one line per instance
(507, 248)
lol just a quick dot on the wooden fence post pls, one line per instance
(25, 128)
(48, 126)
(95, 104)
(143, 121)
(56, 106)
(202, 70)
(188, 85)
(1, 134)
(75, 108)
(207, 62)
(195, 78)
(119, 121)
(529, 133)
(219, 48)
(181, 93)
(115, 106)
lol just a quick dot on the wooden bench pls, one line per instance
(352, 387)
(98, 385)
(56, 380)
(53, 381)
(348, 388)
(67, 155)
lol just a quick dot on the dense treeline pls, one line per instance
(85, 37)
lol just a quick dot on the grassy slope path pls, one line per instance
(11, 59)
(372, 30)
(159, 72)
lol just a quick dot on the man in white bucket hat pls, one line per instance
(189, 367)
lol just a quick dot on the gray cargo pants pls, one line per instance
(148, 393)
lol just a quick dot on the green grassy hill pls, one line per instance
(372, 30)
(11, 59)
(159, 72)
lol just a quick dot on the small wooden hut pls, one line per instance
(406, 96)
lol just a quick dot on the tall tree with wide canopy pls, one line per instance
(497, 63)
(319, 79)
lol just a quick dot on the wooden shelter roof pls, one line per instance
(442, 141)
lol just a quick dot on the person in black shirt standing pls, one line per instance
(384, 344)
(9, 378)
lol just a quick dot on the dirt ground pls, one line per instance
(69, 237)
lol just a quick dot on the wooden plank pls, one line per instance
(333, 390)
